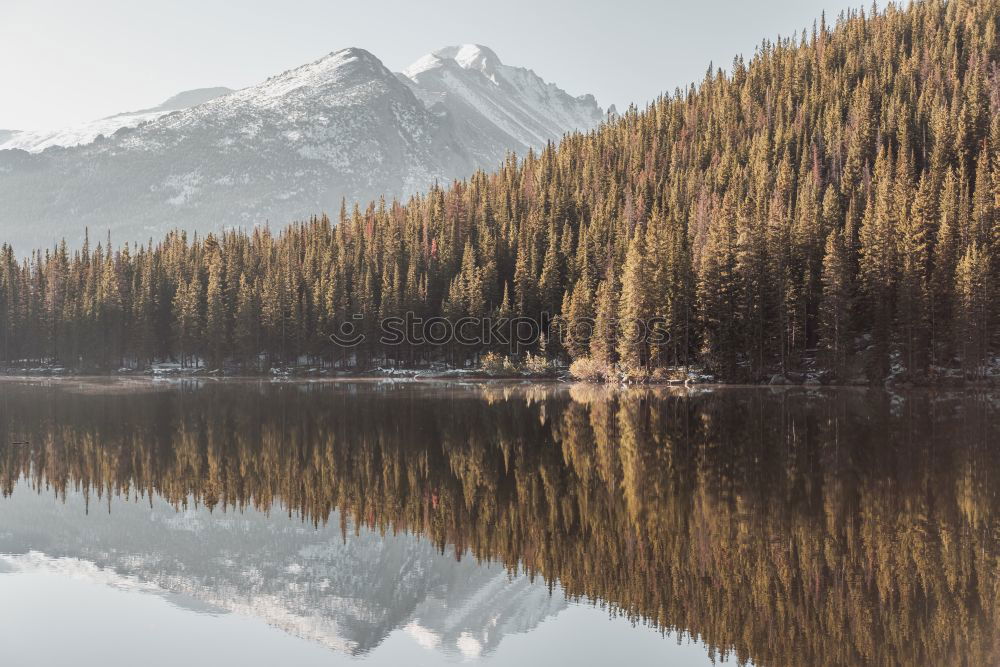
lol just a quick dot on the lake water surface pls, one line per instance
(413, 523)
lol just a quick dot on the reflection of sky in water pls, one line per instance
(194, 587)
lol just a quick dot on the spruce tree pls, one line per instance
(634, 309)
(603, 342)
(835, 308)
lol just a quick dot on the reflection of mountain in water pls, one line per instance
(816, 527)
(347, 592)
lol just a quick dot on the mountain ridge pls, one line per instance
(342, 127)
(35, 141)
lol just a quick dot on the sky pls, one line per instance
(67, 61)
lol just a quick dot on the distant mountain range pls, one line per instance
(85, 133)
(342, 127)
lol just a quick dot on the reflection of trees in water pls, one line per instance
(843, 528)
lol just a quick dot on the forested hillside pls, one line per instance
(832, 203)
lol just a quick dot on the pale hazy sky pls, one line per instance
(66, 61)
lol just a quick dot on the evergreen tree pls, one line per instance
(246, 332)
(216, 325)
(973, 302)
(634, 308)
(604, 338)
(835, 307)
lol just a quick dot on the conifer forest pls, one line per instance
(832, 203)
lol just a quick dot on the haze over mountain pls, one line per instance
(295, 145)
(38, 140)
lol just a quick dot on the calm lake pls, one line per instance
(413, 523)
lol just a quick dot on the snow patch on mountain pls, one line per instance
(35, 141)
(86, 133)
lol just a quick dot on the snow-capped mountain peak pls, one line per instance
(341, 127)
(516, 101)
(338, 68)
(472, 56)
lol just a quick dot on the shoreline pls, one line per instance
(110, 379)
